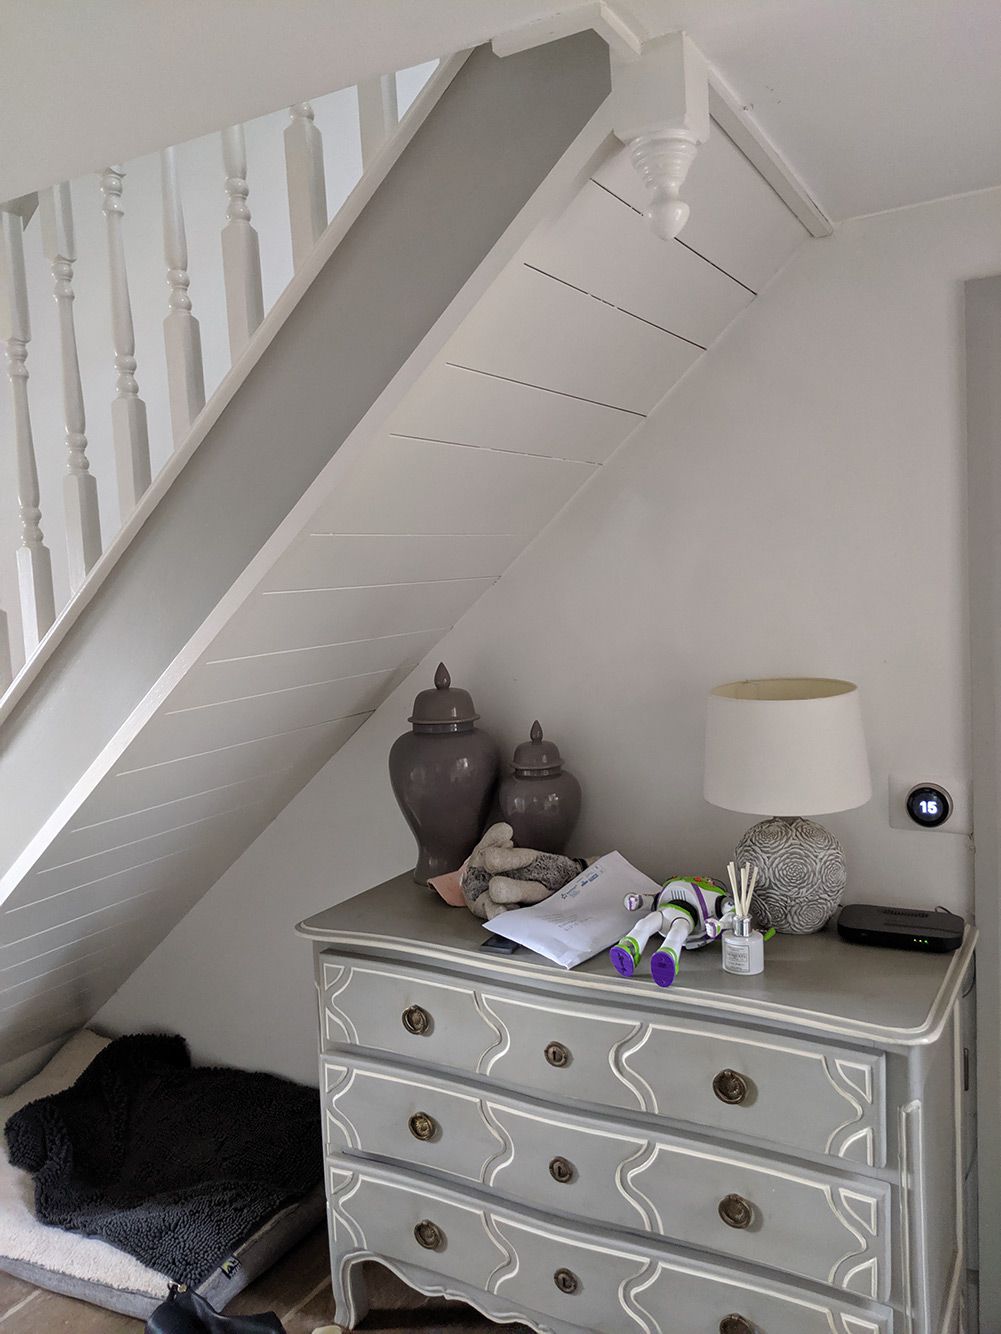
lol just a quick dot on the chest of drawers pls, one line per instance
(772, 1155)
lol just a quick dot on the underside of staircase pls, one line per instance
(497, 321)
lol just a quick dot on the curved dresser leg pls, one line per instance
(350, 1289)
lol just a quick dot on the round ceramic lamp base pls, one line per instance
(801, 873)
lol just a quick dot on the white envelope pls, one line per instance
(581, 919)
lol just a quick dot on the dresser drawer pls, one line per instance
(817, 1225)
(805, 1095)
(576, 1277)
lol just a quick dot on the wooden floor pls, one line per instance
(297, 1288)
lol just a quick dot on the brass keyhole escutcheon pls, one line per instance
(416, 1021)
(735, 1324)
(423, 1126)
(562, 1170)
(736, 1212)
(567, 1281)
(429, 1235)
(557, 1055)
(730, 1087)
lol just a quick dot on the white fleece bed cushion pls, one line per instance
(90, 1269)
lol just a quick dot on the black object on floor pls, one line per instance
(175, 1165)
(184, 1312)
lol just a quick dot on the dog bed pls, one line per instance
(92, 1270)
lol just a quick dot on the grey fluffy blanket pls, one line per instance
(175, 1165)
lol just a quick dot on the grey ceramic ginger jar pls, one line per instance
(443, 773)
(540, 799)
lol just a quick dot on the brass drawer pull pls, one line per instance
(561, 1170)
(425, 1127)
(416, 1021)
(429, 1235)
(567, 1281)
(730, 1088)
(559, 1056)
(735, 1324)
(736, 1212)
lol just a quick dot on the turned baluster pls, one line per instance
(307, 187)
(181, 336)
(128, 411)
(34, 564)
(241, 251)
(83, 520)
(378, 114)
(6, 674)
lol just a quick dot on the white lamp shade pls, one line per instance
(786, 746)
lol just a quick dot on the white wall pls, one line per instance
(201, 175)
(796, 506)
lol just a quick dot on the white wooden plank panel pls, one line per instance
(603, 246)
(537, 331)
(42, 993)
(66, 897)
(427, 487)
(737, 219)
(124, 847)
(204, 727)
(145, 785)
(100, 926)
(299, 620)
(105, 944)
(324, 560)
(449, 403)
(83, 838)
(69, 889)
(212, 680)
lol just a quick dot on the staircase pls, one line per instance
(482, 322)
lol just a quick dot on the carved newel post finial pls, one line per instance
(661, 111)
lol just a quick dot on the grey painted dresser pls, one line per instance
(580, 1152)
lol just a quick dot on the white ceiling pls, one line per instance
(876, 103)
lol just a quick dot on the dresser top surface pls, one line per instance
(817, 983)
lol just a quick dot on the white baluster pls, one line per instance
(83, 520)
(241, 251)
(307, 187)
(34, 565)
(378, 114)
(6, 674)
(181, 336)
(128, 411)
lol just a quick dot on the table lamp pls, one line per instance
(788, 744)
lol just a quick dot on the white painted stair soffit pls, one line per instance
(563, 356)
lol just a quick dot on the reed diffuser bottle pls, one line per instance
(743, 945)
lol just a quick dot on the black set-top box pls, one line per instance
(930, 930)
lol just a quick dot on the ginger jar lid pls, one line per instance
(537, 753)
(444, 704)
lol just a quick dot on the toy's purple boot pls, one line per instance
(663, 967)
(625, 956)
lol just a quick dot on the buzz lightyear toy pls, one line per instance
(688, 912)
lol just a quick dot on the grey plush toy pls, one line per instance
(500, 876)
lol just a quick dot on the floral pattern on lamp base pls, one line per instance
(801, 873)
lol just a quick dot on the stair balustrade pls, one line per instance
(49, 273)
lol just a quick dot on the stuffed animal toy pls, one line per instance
(499, 876)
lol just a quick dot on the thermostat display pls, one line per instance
(929, 806)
